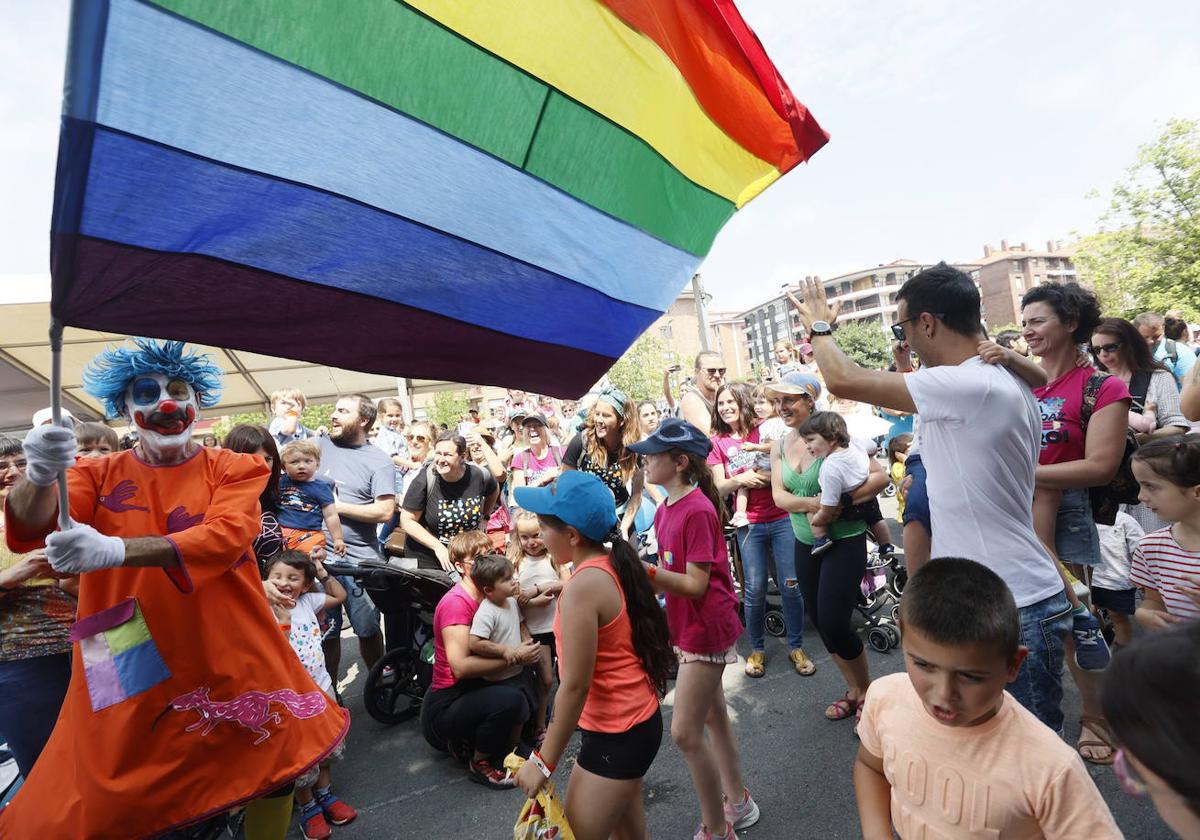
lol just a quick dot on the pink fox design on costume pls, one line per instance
(250, 709)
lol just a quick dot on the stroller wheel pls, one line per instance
(879, 639)
(394, 688)
(897, 579)
(774, 623)
(896, 613)
(892, 633)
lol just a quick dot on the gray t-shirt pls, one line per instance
(360, 475)
(501, 625)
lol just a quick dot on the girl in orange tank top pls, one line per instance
(614, 658)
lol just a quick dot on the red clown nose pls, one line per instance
(168, 406)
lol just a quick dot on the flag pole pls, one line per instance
(56, 334)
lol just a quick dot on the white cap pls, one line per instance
(45, 415)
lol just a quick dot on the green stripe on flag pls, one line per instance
(392, 54)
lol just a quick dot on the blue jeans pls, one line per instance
(1038, 686)
(1076, 539)
(759, 542)
(31, 694)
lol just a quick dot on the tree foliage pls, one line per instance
(312, 417)
(865, 342)
(639, 372)
(1146, 256)
(448, 407)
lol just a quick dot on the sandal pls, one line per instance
(756, 664)
(1104, 738)
(805, 667)
(842, 708)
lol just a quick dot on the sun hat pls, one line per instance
(796, 384)
(578, 498)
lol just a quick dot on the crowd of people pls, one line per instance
(1049, 489)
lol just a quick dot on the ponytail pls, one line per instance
(698, 472)
(651, 638)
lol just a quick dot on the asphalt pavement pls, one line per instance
(797, 764)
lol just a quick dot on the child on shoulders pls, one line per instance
(945, 751)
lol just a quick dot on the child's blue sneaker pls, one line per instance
(1091, 651)
(820, 546)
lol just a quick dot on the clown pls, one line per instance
(185, 699)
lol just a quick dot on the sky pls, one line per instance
(953, 125)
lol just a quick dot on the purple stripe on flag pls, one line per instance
(121, 288)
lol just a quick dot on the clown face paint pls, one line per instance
(163, 411)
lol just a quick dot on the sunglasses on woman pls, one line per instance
(418, 438)
(1107, 348)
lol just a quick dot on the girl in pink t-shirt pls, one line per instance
(702, 615)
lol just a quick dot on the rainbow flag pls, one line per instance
(489, 191)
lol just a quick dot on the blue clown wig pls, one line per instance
(109, 374)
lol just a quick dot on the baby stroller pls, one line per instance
(879, 599)
(395, 686)
(773, 619)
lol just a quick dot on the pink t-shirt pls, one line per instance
(1061, 404)
(727, 450)
(535, 467)
(1009, 777)
(456, 607)
(688, 532)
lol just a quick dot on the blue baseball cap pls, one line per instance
(674, 433)
(796, 384)
(578, 498)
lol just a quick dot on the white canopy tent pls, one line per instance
(249, 377)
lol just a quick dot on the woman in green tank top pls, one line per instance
(829, 582)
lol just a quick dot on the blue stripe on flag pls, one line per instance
(143, 194)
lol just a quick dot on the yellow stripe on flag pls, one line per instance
(581, 48)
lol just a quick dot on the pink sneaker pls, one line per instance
(703, 833)
(744, 814)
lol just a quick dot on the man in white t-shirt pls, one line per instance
(980, 438)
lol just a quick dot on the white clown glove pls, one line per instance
(82, 548)
(48, 450)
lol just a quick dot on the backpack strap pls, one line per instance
(1091, 392)
(1139, 386)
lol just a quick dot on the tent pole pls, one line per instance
(56, 335)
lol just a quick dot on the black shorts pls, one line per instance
(622, 755)
(1120, 601)
(867, 512)
(547, 639)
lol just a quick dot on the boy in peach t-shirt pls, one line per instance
(945, 751)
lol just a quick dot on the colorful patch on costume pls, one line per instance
(250, 709)
(120, 659)
(300, 539)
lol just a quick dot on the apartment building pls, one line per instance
(1007, 273)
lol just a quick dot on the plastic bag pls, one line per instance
(542, 818)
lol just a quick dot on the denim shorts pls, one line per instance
(1038, 686)
(364, 615)
(916, 501)
(1075, 537)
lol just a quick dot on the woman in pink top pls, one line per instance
(1078, 452)
(614, 658)
(702, 615)
(768, 532)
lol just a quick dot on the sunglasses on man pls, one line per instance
(715, 371)
(898, 327)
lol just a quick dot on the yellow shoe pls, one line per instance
(804, 666)
(756, 664)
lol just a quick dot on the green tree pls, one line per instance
(865, 342)
(1146, 256)
(639, 372)
(448, 407)
(313, 417)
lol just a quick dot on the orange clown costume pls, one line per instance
(185, 699)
